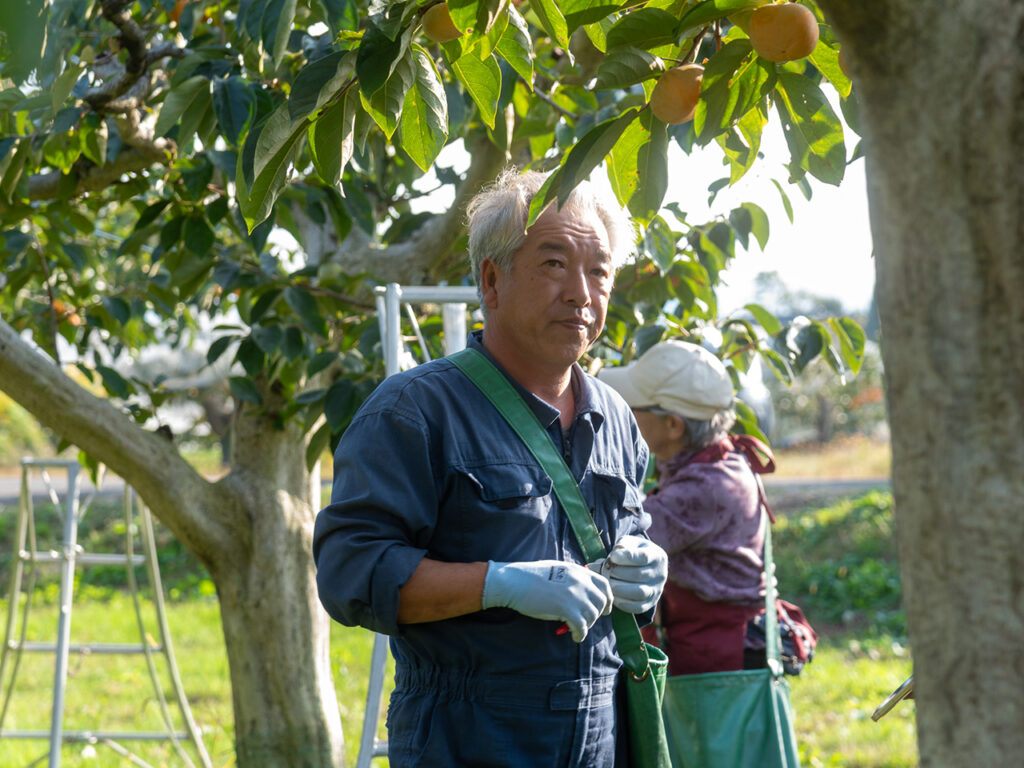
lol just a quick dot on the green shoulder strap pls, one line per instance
(493, 384)
(772, 642)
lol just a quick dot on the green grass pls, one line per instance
(838, 563)
(116, 692)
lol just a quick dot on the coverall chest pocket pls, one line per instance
(618, 505)
(495, 511)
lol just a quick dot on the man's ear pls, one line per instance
(490, 275)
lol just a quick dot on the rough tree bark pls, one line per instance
(941, 93)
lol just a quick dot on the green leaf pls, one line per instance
(749, 219)
(482, 80)
(589, 152)
(786, 204)
(12, 174)
(826, 60)
(851, 341)
(652, 170)
(243, 389)
(218, 348)
(778, 365)
(516, 47)
(94, 139)
(709, 11)
(311, 396)
(276, 26)
(813, 132)
(61, 150)
(660, 243)
(319, 83)
(425, 113)
(735, 80)
(544, 196)
(275, 146)
(377, 57)
(552, 20)
(114, 382)
(320, 361)
(63, 84)
(199, 236)
(742, 144)
(178, 101)
(765, 319)
(627, 66)
(318, 443)
(305, 306)
(331, 137)
(622, 161)
(746, 419)
(339, 404)
(645, 28)
(233, 104)
(478, 15)
(385, 106)
(588, 12)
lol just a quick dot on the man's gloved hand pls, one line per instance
(551, 590)
(636, 569)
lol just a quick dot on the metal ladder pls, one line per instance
(391, 298)
(26, 554)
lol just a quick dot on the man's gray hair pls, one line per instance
(496, 218)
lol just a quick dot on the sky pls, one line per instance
(825, 251)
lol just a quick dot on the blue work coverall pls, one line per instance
(428, 467)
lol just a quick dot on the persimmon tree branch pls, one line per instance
(147, 461)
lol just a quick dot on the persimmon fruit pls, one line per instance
(675, 96)
(438, 24)
(783, 32)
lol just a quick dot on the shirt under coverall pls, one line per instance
(428, 467)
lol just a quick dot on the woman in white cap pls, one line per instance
(707, 507)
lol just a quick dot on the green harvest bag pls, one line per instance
(740, 719)
(644, 666)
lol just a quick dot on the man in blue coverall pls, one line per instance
(444, 533)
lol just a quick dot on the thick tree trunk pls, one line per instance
(276, 632)
(941, 91)
(252, 529)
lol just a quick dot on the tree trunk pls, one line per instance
(941, 93)
(276, 632)
(253, 530)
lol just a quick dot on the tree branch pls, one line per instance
(148, 462)
(46, 186)
(417, 260)
(106, 97)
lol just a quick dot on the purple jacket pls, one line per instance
(707, 516)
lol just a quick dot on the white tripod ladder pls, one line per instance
(390, 300)
(71, 555)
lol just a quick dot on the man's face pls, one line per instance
(550, 306)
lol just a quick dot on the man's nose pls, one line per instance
(577, 288)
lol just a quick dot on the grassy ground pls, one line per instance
(832, 699)
(854, 457)
(837, 562)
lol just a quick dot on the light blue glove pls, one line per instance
(636, 568)
(551, 590)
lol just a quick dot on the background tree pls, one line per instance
(153, 151)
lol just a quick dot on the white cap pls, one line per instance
(676, 376)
